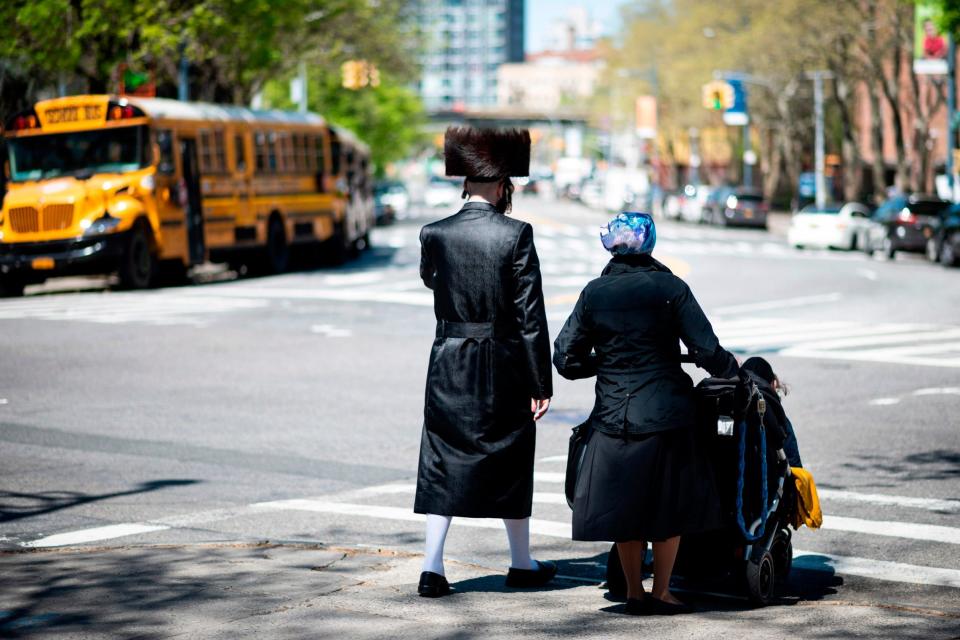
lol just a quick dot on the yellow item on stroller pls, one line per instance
(808, 504)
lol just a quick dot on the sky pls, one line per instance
(541, 13)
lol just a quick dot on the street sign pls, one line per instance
(736, 113)
(646, 114)
(717, 95)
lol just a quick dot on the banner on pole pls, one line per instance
(929, 43)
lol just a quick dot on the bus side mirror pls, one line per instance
(155, 152)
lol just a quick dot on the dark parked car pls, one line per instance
(943, 245)
(729, 206)
(903, 223)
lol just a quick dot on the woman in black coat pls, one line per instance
(642, 478)
(489, 376)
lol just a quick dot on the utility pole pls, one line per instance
(821, 182)
(951, 114)
(302, 79)
(183, 77)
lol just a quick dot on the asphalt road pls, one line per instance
(289, 408)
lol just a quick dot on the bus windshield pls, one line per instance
(80, 154)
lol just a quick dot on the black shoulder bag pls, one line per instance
(579, 437)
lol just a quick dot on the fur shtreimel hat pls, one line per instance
(485, 155)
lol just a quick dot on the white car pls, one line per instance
(442, 192)
(834, 226)
(691, 209)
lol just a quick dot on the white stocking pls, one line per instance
(518, 533)
(437, 527)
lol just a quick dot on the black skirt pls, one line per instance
(649, 488)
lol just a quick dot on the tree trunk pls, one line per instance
(876, 148)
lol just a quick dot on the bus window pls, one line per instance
(260, 142)
(80, 153)
(321, 160)
(219, 152)
(205, 151)
(272, 152)
(335, 150)
(239, 154)
(309, 155)
(165, 142)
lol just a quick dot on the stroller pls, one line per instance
(753, 551)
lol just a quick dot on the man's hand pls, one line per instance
(539, 407)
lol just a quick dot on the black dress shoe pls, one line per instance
(637, 607)
(661, 608)
(520, 578)
(432, 585)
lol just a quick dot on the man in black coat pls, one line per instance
(489, 377)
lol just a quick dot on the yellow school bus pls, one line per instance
(144, 186)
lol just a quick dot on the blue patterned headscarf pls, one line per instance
(630, 234)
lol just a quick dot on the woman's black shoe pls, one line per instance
(520, 578)
(637, 607)
(661, 608)
(432, 585)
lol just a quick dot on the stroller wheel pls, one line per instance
(761, 578)
(782, 551)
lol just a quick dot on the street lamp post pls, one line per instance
(821, 182)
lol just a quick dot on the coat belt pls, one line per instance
(446, 329)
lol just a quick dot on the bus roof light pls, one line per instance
(24, 121)
(123, 112)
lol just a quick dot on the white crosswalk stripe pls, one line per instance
(895, 343)
(368, 503)
(155, 308)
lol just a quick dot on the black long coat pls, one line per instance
(490, 357)
(626, 329)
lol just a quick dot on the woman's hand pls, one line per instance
(539, 407)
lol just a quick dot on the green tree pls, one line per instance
(234, 46)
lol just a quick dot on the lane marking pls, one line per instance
(897, 336)
(330, 331)
(549, 476)
(845, 565)
(932, 391)
(879, 355)
(82, 536)
(869, 274)
(414, 298)
(877, 569)
(884, 402)
(892, 529)
(930, 504)
(785, 303)
(561, 458)
(541, 527)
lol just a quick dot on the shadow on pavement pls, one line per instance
(938, 464)
(16, 506)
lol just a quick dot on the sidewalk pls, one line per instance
(302, 590)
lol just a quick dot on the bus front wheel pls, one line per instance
(278, 252)
(11, 288)
(138, 265)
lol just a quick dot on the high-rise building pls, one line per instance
(465, 42)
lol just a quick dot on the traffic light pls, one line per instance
(717, 95)
(351, 74)
(358, 74)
